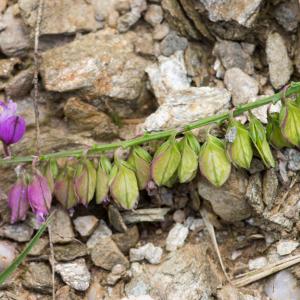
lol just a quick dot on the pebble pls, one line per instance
(257, 263)
(287, 14)
(285, 247)
(70, 251)
(39, 248)
(7, 254)
(160, 31)
(75, 274)
(154, 15)
(293, 156)
(179, 216)
(17, 232)
(116, 219)
(85, 225)
(116, 274)
(172, 43)
(101, 231)
(176, 237)
(127, 240)
(149, 252)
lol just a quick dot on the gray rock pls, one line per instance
(106, 254)
(116, 274)
(145, 215)
(257, 263)
(232, 55)
(270, 185)
(229, 201)
(75, 274)
(38, 278)
(7, 254)
(14, 38)
(280, 65)
(101, 231)
(40, 247)
(116, 219)
(61, 227)
(17, 232)
(176, 237)
(160, 31)
(285, 247)
(254, 193)
(293, 158)
(243, 12)
(194, 224)
(60, 17)
(127, 240)
(7, 66)
(70, 251)
(149, 252)
(242, 86)
(287, 14)
(172, 43)
(85, 225)
(104, 7)
(154, 15)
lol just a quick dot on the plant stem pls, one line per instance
(294, 88)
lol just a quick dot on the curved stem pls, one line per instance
(294, 88)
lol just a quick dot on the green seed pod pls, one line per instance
(289, 120)
(213, 162)
(166, 161)
(274, 134)
(140, 160)
(189, 148)
(238, 146)
(124, 186)
(64, 189)
(102, 181)
(51, 172)
(85, 181)
(259, 139)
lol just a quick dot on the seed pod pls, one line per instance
(39, 195)
(85, 181)
(213, 162)
(51, 172)
(102, 182)
(189, 148)
(238, 146)
(166, 161)
(124, 186)
(259, 139)
(140, 161)
(17, 201)
(274, 134)
(289, 120)
(64, 189)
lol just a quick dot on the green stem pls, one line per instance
(98, 148)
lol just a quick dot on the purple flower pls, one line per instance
(12, 126)
(39, 196)
(18, 202)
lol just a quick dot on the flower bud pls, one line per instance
(213, 162)
(124, 186)
(189, 148)
(166, 161)
(140, 160)
(17, 201)
(102, 182)
(12, 130)
(51, 172)
(259, 139)
(85, 181)
(238, 146)
(39, 196)
(274, 134)
(289, 120)
(64, 190)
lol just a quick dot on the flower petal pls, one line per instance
(12, 129)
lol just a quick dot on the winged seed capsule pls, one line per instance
(102, 181)
(51, 172)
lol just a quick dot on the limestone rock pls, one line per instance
(176, 237)
(85, 225)
(149, 252)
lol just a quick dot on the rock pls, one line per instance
(270, 185)
(293, 158)
(194, 224)
(149, 252)
(106, 254)
(160, 31)
(280, 65)
(38, 278)
(285, 247)
(3, 4)
(144, 45)
(116, 274)
(243, 12)
(7, 254)
(96, 291)
(126, 240)
(116, 219)
(172, 43)
(242, 86)
(179, 216)
(176, 237)
(85, 225)
(98, 66)
(14, 39)
(257, 263)
(7, 66)
(104, 7)
(154, 15)
(287, 14)
(229, 201)
(18, 232)
(39, 248)
(145, 215)
(75, 274)
(101, 231)
(70, 251)
(61, 227)
(232, 55)
(184, 274)
(282, 285)
(60, 17)
(254, 193)
(66, 293)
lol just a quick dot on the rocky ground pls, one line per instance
(110, 69)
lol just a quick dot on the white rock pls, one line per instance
(85, 225)
(281, 286)
(286, 247)
(154, 15)
(235, 254)
(149, 252)
(176, 237)
(7, 254)
(194, 224)
(101, 231)
(257, 263)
